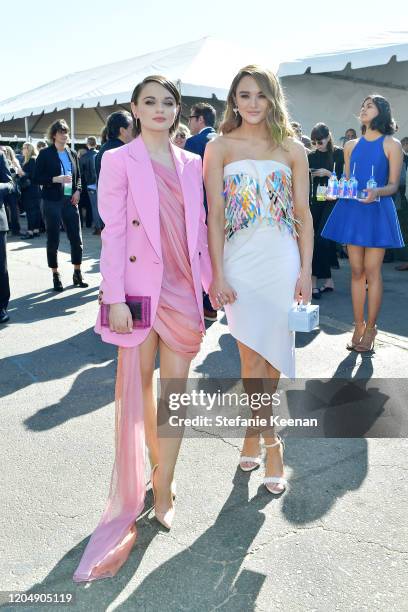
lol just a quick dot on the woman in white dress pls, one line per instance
(261, 240)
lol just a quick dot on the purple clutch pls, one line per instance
(139, 307)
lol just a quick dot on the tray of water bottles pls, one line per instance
(344, 188)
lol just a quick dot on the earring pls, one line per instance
(235, 111)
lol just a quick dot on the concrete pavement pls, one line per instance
(337, 540)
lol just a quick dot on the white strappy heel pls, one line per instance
(275, 480)
(256, 460)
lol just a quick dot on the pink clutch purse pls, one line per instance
(139, 307)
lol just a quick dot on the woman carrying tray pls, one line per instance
(370, 225)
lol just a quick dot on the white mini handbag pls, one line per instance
(303, 318)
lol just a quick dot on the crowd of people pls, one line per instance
(29, 197)
(194, 221)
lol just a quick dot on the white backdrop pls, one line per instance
(331, 87)
(313, 97)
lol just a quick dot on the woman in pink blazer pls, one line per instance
(154, 246)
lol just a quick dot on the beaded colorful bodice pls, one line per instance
(258, 189)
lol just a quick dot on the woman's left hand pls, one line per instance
(303, 289)
(322, 172)
(372, 195)
(75, 198)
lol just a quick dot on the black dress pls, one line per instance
(31, 196)
(324, 253)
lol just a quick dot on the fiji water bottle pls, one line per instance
(352, 186)
(343, 186)
(372, 183)
(68, 186)
(332, 186)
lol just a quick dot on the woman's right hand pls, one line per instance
(221, 293)
(120, 319)
(62, 178)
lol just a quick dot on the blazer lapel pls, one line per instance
(190, 192)
(144, 190)
(73, 165)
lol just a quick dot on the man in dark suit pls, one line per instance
(88, 174)
(6, 186)
(201, 123)
(119, 131)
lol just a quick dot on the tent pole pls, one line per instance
(26, 127)
(72, 129)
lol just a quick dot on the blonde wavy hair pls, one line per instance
(277, 118)
(29, 152)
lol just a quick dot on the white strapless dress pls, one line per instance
(261, 258)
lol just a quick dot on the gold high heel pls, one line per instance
(366, 344)
(276, 480)
(356, 337)
(164, 518)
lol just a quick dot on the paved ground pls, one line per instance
(337, 540)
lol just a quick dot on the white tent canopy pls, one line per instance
(203, 68)
(328, 88)
(331, 87)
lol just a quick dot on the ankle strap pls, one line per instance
(272, 445)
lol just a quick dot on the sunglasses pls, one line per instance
(194, 116)
(317, 142)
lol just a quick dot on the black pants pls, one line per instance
(54, 213)
(4, 277)
(85, 204)
(11, 200)
(32, 208)
(323, 248)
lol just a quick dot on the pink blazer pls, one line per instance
(131, 259)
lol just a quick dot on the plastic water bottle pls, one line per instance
(372, 183)
(352, 186)
(333, 186)
(343, 185)
(68, 186)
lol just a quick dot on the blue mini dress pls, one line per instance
(366, 225)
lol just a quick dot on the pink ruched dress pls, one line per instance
(178, 323)
(178, 319)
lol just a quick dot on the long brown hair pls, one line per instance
(277, 118)
(30, 152)
(384, 121)
(171, 88)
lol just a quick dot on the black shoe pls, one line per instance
(57, 282)
(4, 317)
(316, 294)
(78, 280)
(326, 289)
